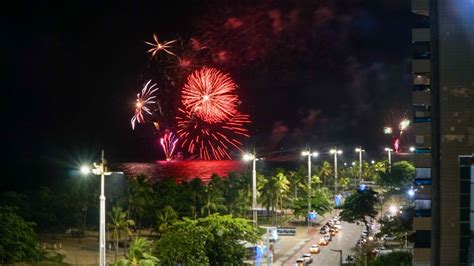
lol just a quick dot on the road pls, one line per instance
(346, 239)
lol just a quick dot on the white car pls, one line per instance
(308, 258)
(389, 238)
(314, 249)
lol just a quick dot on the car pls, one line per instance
(328, 237)
(389, 237)
(308, 257)
(323, 242)
(332, 232)
(338, 227)
(338, 222)
(314, 249)
(323, 230)
(301, 262)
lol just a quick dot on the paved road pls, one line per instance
(346, 239)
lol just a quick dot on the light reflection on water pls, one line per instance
(182, 170)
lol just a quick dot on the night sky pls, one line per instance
(309, 72)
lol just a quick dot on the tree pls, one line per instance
(320, 202)
(396, 258)
(214, 240)
(184, 244)
(139, 253)
(400, 175)
(359, 205)
(18, 240)
(140, 193)
(326, 171)
(118, 223)
(398, 226)
(214, 201)
(166, 217)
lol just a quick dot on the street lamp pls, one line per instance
(309, 154)
(335, 152)
(389, 152)
(360, 151)
(412, 149)
(251, 157)
(100, 169)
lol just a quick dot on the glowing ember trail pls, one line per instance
(168, 142)
(143, 99)
(209, 95)
(157, 46)
(211, 140)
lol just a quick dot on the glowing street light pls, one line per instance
(360, 151)
(251, 157)
(335, 152)
(85, 170)
(100, 169)
(309, 154)
(412, 149)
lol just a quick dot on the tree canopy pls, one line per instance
(359, 205)
(214, 240)
(18, 240)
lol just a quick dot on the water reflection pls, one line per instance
(182, 170)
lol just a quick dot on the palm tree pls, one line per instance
(140, 192)
(118, 223)
(213, 198)
(139, 253)
(326, 171)
(282, 187)
(166, 217)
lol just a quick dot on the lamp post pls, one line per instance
(335, 152)
(309, 154)
(251, 157)
(100, 169)
(389, 152)
(360, 151)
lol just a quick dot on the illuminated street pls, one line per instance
(345, 240)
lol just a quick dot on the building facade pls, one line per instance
(443, 106)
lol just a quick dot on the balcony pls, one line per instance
(420, 7)
(421, 66)
(420, 35)
(421, 97)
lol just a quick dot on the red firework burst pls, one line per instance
(209, 95)
(211, 140)
(168, 143)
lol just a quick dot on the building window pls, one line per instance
(422, 172)
(420, 21)
(422, 181)
(421, 81)
(422, 113)
(421, 50)
(423, 208)
(423, 239)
